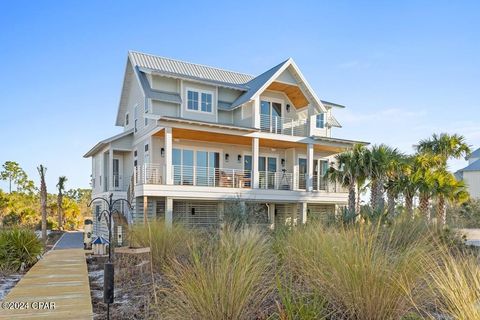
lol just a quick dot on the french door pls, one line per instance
(271, 116)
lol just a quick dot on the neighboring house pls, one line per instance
(471, 174)
(197, 138)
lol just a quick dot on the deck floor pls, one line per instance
(61, 277)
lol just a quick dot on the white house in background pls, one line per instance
(471, 174)
(196, 137)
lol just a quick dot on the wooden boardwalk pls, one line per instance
(56, 287)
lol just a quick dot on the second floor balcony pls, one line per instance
(154, 174)
(286, 126)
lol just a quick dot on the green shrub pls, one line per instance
(230, 278)
(18, 246)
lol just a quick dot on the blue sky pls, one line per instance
(404, 69)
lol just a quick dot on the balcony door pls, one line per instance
(302, 173)
(320, 168)
(182, 160)
(271, 116)
(206, 170)
(267, 167)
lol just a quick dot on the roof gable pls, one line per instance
(287, 68)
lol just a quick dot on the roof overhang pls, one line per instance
(205, 124)
(344, 142)
(102, 144)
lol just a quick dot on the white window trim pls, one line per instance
(127, 119)
(324, 120)
(199, 100)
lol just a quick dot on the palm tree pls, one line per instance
(362, 157)
(61, 189)
(43, 201)
(445, 145)
(346, 174)
(447, 188)
(423, 176)
(394, 175)
(381, 158)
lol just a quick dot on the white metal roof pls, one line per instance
(187, 69)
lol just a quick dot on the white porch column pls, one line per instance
(256, 113)
(304, 212)
(168, 156)
(145, 210)
(271, 215)
(110, 168)
(168, 211)
(255, 154)
(309, 180)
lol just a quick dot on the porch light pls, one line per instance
(288, 107)
(162, 152)
(283, 162)
(239, 158)
(227, 156)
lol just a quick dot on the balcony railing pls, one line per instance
(118, 183)
(148, 174)
(211, 177)
(280, 125)
(228, 178)
(275, 180)
(319, 183)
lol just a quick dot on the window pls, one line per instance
(200, 101)
(146, 147)
(127, 118)
(136, 125)
(146, 106)
(321, 120)
(192, 100)
(146, 121)
(135, 153)
(206, 102)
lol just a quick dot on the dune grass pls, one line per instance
(456, 284)
(165, 242)
(364, 272)
(230, 278)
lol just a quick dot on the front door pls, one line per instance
(116, 173)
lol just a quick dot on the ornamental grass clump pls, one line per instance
(456, 284)
(364, 272)
(18, 247)
(231, 277)
(165, 242)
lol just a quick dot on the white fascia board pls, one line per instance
(260, 195)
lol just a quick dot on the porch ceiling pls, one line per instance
(196, 135)
(293, 92)
(268, 143)
(187, 134)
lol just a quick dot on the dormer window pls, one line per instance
(201, 101)
(321, 120)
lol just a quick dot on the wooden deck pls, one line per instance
(56, 287)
